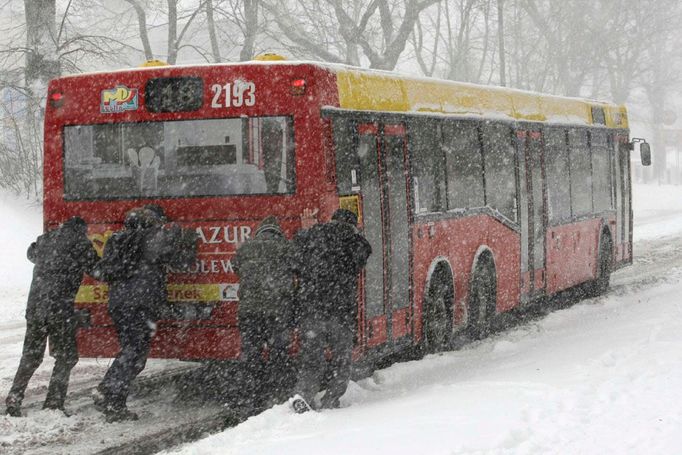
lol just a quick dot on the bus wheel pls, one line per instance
(482, 300)
(437, 312)
(600, 285)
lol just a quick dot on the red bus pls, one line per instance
(476, 200)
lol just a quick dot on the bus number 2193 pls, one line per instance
(233, 94)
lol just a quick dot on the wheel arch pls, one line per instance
(483, 253)
(604, 232)
(437, 264)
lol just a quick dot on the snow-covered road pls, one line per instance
(602, 376)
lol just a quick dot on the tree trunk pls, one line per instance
(42, 61)
(142, 27)
(172, 31)
(500, 35)
(250, 29)
(215, 48)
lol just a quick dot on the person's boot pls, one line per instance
(13, 406)
(99, 400)
(112, 415)
(329, 403)
(299, 405)
(57, 407)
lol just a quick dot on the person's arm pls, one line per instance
(309, 217)
(89, 257)
(297, 250)
(161, 243)
(31, 252)
(236, 262)
(364, 250)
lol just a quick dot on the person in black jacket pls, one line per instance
(61, 257)
(134, 264)
(329, 258)
(266, 285)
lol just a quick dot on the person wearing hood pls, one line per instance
(61, 257)
(329, 258)
(266, 289)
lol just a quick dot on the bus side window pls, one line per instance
(581, 174)
(601, 175)
(558, 177)
(428, 176)
(347, 162)
(500, 181)
(464, 164)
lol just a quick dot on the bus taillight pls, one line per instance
(298, 87)
(56, 99)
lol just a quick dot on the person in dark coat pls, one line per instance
(134, 264)
(329, 258)
(266, 286)
(61, 257)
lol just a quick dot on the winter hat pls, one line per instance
(269, 224)
(76, 223)
(134, 219)
(157, 211)
(345, 216)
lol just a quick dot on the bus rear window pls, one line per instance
(214, 157)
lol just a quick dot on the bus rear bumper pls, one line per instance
(183, 343)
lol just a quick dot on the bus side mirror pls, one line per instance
(644, 150)
(645, 153)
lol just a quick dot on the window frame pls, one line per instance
(478, 135)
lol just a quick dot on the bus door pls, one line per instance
(381, 181)
(532, 207)
(396, 220)
(621, 161)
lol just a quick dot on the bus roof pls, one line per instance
(384, 91)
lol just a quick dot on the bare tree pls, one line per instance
(179, 24)
(569, 38)
(380, 29)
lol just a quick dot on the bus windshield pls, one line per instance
(211, 157)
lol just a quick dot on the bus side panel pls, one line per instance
(572, 254)
(457, 241)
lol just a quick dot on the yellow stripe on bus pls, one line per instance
(176, 293)
(367, 91)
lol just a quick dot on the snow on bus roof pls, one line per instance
(388, 91)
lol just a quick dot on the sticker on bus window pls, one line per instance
(228, 292)
(118, 99)
(351, 203)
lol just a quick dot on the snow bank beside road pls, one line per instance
(21, 222)
(657, 211)
(604, 376)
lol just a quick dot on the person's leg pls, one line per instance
(341, 342)
(253, 340)
(134, 333)
(31, 358)
(280, 368)
(62, 335)
(311, 359)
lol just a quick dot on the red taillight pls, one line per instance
(298, 87)
(56, 99)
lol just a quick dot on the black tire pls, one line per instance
(600, 285)
(437, 314)
(482, 301)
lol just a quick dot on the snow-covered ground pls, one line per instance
(602, 376)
